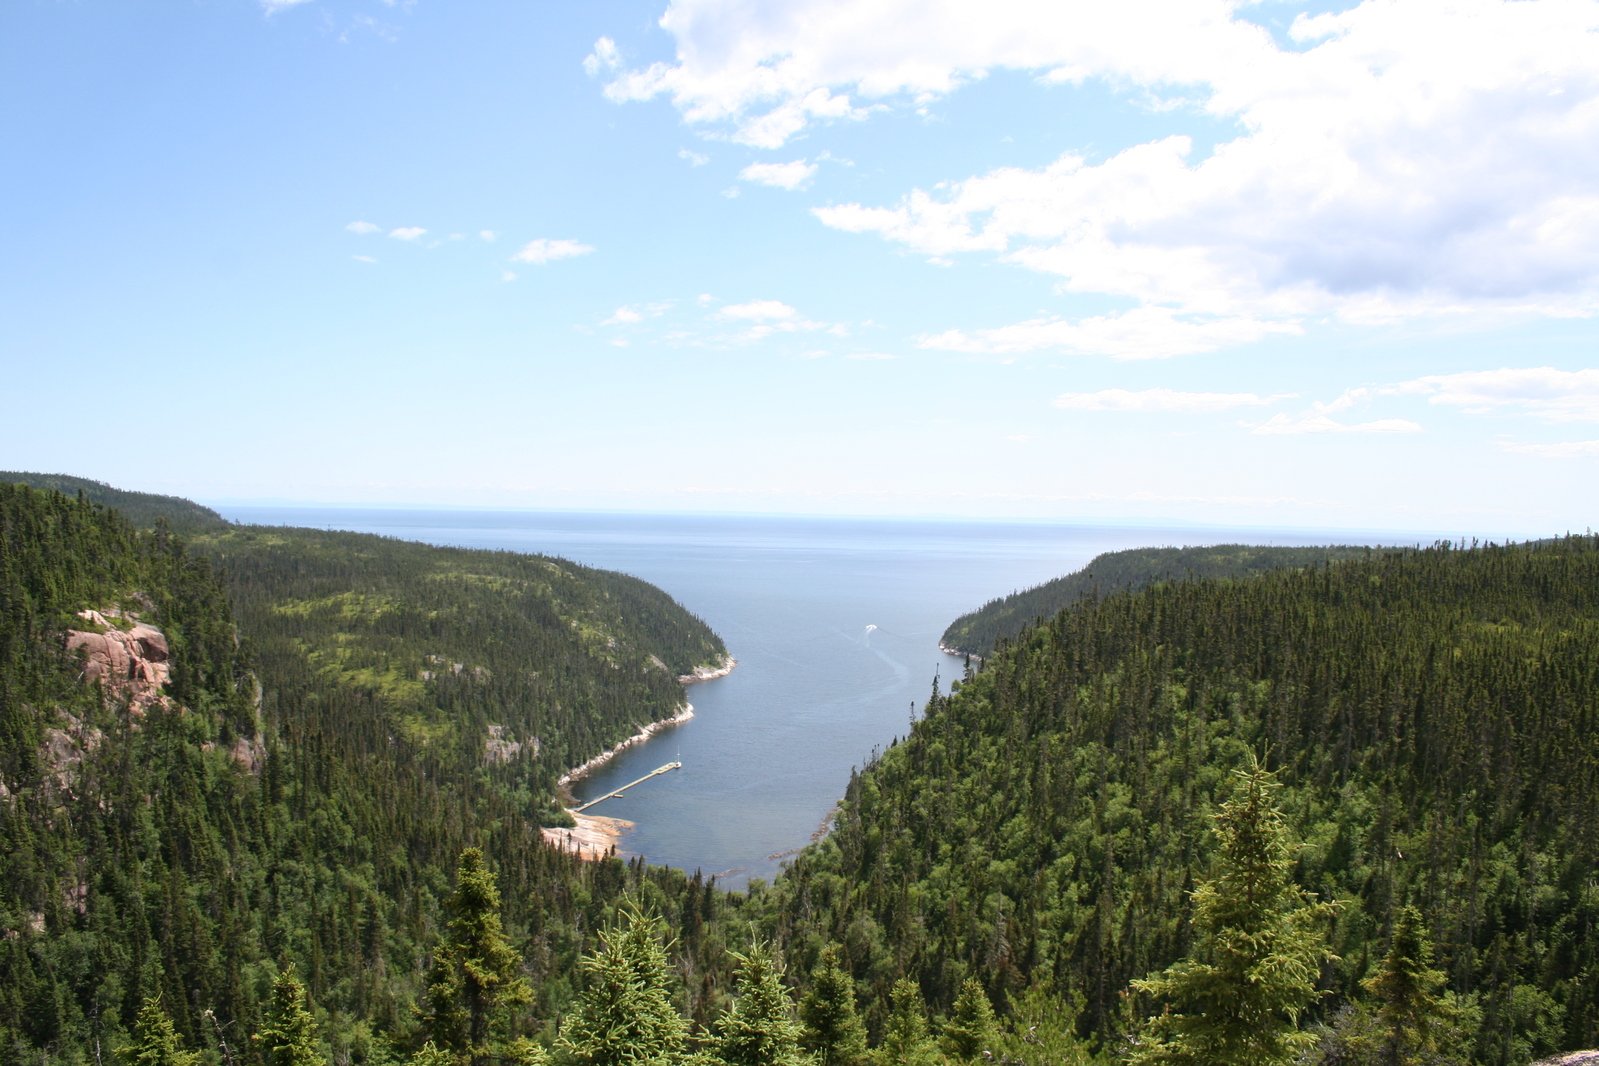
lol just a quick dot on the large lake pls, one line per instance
(835, 626)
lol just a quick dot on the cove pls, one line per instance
(834, 623)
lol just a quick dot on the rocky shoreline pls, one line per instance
(595, 836)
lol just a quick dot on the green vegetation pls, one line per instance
(1432, 717)
(981, 631)
(1335, 813)
(145, 510)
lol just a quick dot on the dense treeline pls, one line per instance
(490, 664)
(325, 848)
(980, 631)
(144, 509)
(1432, 716)
(190, 853)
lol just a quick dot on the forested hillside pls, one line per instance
(978, 632)
(143, 509)
(1433, 717)
(302, 798)
(279, 803)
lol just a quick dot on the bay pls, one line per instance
(834, 623)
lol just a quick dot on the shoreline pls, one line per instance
(708, 673)
(596, 836)
(580, 772)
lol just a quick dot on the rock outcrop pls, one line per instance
(132, 664)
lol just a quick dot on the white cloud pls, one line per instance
(272, 7)
(547, 250)
(363, 228)
(1575, 449)
(790, 176)
(407, 233)
(487, 235)
(507, 275)
(1426, 158)
(363, 258)
(604, 57)
(1142, 333)
(1163, 401)
(694, 159)
(1542, 392)
(633, 314)
(1318, 421)
(760, 311)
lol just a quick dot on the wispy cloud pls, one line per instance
(760, 311)
(407, 233)
(272, 7)
(791, 176)
(547, 250)
(1318, 421)
(1163, 401)
(605, 57)
(693, 158)
(633, 314)
(1142, 333)
(363, 228)
(1575, 449)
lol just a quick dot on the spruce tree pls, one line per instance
(476, 973)
(1259, 942)
(625, 1014)
(905, 1040)
(971, 1029)
(759, 1028)
(155, 1042)
(288, 1037)
(833, 1030)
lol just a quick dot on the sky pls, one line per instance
(1325, 266)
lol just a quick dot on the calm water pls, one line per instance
(835, 625)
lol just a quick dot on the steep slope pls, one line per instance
(1433, 715)
(980, 631)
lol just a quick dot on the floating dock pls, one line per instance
(658, 771)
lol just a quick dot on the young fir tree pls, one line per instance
(759, 1028)
(625, 1014)
(971, 1029)
(1259, 942)
(288, 1036)
(905, 1040)
(476, 973)
(1416, 1020)
(155, 1042)
(833, 1030)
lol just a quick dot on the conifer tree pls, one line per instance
(625, 1014)
(1259, 943)
(155, 1042)
(971, 1029)
(905, 1039)
(759, 1028)
(475, 974)
(288, 1037)
(833, 1030)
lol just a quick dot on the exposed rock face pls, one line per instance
(132, 663)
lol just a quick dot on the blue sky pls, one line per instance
(1266, 264)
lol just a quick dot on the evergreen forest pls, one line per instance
(1320, 809)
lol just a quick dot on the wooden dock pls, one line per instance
(658, 771)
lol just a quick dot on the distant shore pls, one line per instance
(594, 836)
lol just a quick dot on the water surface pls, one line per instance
(835, 626)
